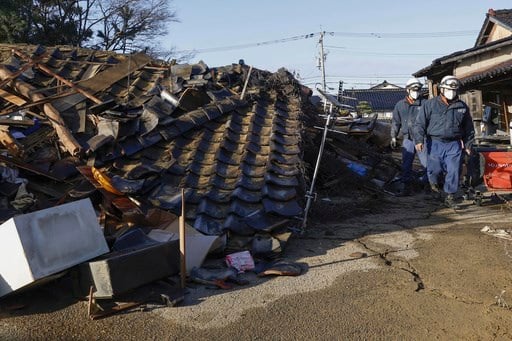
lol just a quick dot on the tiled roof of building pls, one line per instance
(379, 99)
(237, 159)
(504, 16)
(500, 70)
(444, 64)
(445, 61)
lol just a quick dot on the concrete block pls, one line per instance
(45, 242)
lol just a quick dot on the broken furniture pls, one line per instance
(43, 243)
(135, 261)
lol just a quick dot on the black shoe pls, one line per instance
(406, 191)
(435, 188)
(450, 202)
(434, 192)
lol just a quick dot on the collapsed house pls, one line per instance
(229, 148)
(142, 130)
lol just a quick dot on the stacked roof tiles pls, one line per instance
(156, 129)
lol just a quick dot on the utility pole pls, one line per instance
(322, 60)
(311, 195)
(340, 91)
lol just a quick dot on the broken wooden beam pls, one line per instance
(49, 72)
(20, 71)
(105, 79)
(65, 136)
(13, 122)
(10, 142)
(12, 98)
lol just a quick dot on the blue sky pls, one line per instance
(355, 54)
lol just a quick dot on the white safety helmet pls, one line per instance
(450, 82)
(413, 83)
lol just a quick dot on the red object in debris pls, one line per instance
(498, 170)
(242, 261)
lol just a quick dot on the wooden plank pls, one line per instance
(65, 136)
(505, 113)
(10, 143)
(29, 105)
(103, 80)
(11, 122)
(49, 72)
(12, 98)
(18, 72)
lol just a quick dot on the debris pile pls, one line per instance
(227, 148)
(130, 132)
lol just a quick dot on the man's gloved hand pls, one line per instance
(393, 142)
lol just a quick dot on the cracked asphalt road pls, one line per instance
(411, 270)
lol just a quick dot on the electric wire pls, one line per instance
(405, 35)
(373, 53)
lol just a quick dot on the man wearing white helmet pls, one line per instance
(404, 115)
(446, 124)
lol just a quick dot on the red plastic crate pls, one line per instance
(498, 170)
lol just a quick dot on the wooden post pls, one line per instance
(505, 113)
(183, 262)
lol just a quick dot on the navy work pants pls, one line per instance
(444, 160)
(408, 153)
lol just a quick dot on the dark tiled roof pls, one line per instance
(379, 100)
(444, 64)
(493, 72)
(239, 160)
(504, 16)
(446, 60)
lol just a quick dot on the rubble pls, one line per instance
(238, 160)
(231, 146)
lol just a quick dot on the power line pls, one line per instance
(397, 76)
(373, 53)
(405, 35)
(243, 46)
(377, 81)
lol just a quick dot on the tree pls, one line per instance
(118, 25)
(363, 108)
(132, 24)
(59, 22)
(15, 20)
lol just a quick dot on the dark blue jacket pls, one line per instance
(444, 122)
(403, 119)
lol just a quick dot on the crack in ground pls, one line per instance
(454, 297)
(412, 271)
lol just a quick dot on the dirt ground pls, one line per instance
(406, 269)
